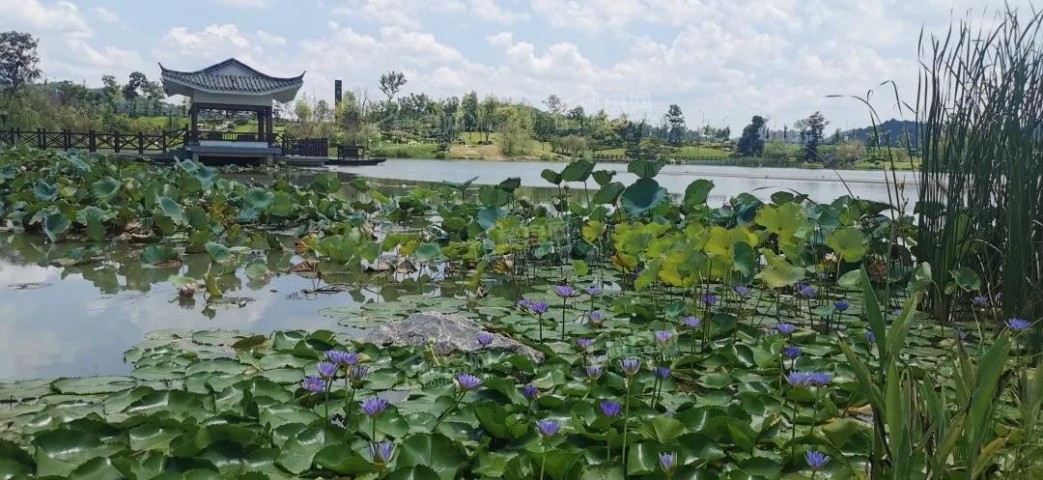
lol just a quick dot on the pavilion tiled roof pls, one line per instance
(230, 76)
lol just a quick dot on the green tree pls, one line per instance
(554, 105)
(487, 117)
(18, 60)
(303, 111)
(811, 129)
(391, 82)
(751, 143)
(322, 111)
(516, 128)
(675, 119)
(468, 116)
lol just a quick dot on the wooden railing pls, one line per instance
(140, 143)
(306, 147)
(231, 137)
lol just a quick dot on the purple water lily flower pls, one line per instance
(467, 382)
(664, 337)
(530, 391)
(313, 384)
(819, 379)
(980, 300)
(539, 308)
(791, 352)
(547, 427)
(710, 299)
(594, 372)
(806, 291)
(327, 369)
(630, 366)
(870, 337)
(786, 328)
(841, 305)
(743, 291)
(692, 322)
(584, 343)
(594, 291)
(565, 291)
(668, 462)
(374, 406)
(610, 408)
(342, 358)
(797, 378)
(358, 374)
(525, 304)
(1018, 324)
(596, 318)
(380, 453)
(484, 338)
(661, 373)
(816, 460)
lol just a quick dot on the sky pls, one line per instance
(721, 61)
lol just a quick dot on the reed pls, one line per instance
(979, 110)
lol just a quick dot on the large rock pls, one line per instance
(450, 334)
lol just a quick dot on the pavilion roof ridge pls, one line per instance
(216, 69)
(228, 76)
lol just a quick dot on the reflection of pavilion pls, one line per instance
(232, 86)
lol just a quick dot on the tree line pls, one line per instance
(395, 118)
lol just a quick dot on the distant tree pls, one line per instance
(835, 140)
(303, 111)
(516, 127)
(18, 60)
(322, 111)
(555, 105)
(750, 143)
(447, 120)
(135, 82)
(391, 83)
(723, 134)
(811, 129)
(487, 117)
(851, 151)
(469, 112)
(111, 89)
(675, 120)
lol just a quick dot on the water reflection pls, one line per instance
(78, 320)
(820, 185)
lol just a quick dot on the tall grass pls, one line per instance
(980, 108)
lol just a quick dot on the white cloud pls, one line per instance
(493, 12)
(105, 15)
(269, 39)
(39, 17)
(243, 3)
(212, 43)
(402, 13)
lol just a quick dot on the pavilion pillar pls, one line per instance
(260, 124)
(194, 129)
(268, 121)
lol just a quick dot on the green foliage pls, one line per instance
(983, 191)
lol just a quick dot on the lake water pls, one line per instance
(819, 185)
(76, 321)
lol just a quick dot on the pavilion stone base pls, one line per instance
(234, 154)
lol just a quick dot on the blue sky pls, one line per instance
(722, 61)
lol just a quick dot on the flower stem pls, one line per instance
(626, 423)
(793, 434)
(543, 463)
(446, 413)
(564, 304)
(540, 320)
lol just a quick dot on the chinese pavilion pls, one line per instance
(231, 86)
